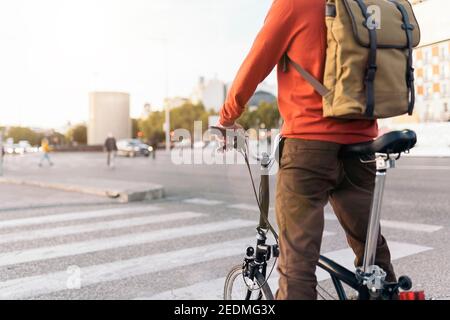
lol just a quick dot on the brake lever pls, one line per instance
(236, 144)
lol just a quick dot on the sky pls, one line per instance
(54, 52)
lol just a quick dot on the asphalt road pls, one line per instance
(59, 245)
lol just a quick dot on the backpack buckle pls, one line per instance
(411, 75)
(371, 72)
(408, 26)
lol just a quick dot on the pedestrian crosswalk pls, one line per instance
(76, 248)
(45, 246)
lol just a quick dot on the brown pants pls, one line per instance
(311, 174)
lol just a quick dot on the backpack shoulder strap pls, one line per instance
(320, 88)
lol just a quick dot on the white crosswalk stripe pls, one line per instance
(76, 248)
(389, 224)
(201, 201)
(410, 226)
(246, 207)
(97, 226)
(213, 289)
(75, 216)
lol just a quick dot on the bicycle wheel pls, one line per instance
(237, 286)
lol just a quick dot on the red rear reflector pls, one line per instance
(416, 295)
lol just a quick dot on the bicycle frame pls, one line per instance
(369, 280)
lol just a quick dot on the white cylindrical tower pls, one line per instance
(109, 112)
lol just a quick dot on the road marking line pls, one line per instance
(97, 226)
(330, 217)
(418, 167)
(76, 248)
(391, 224)
(202, 201)
(246, 207)
(410, 226)
(73, 216)
(213, 289)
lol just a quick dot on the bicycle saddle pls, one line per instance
(391, 143)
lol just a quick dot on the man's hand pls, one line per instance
(222, 138)
(235, 126)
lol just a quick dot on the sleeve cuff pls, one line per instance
(225, 123)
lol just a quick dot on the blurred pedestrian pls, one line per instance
(111, 149)
(154, 144)
(45, 149)
(2, 155)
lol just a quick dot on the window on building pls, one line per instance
(420, 73)
(428, 91)
(436, 70)
(436, 88)
(429, 73)
(442, 71)
(446, 70)
(427, 55)
(445, 51)
(444, 89)
(419, 54)
(420, 90)
(435, 51)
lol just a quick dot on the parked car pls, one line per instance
(27, 146)
(14, 149)
(133, 148)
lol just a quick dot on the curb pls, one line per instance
(149, 192)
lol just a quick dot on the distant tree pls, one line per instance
(265, 116)
(152, 126)
(134, 128)
(57, 138)
(184, 116)
(78, 134)
(22, 133)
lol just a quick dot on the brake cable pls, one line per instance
(266, 220)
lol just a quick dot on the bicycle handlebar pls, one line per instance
(245, 148)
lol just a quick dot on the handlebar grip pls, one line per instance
(223, 131)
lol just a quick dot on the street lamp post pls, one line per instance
(164, 42)
(2, 152)
(167, 107)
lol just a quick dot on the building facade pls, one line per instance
(109, 112)
(432, 61)
(433, 82)
(213, 93)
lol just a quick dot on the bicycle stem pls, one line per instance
(264, 193)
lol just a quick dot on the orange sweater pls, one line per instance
(298, 28)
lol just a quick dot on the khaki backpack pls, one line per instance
(369, 70)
